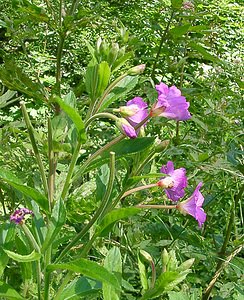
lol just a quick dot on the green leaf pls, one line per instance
(179, 30)
(206, 55)
(113, 263)
(90, 269)
(14, 78)
(121, 89)
(7, 237)
(176, 3)
(7, 292)
(142, 273)
(97, 78)
(161, 285)
(114, 216)
(5, 99)
(58, 218)
(23, 258)
(12, 180)
(81, 287)
(74, 116)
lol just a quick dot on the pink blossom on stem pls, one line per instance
(193, 206)
(171, 104)
(175, 183)
(126, 128)
(19, 215)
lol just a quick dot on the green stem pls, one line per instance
(98, 213)
(71, 169)
(157, 206)
(65, 281)
(37, 248)
(48, 255)
(108, 90)
(52, 165)
(153, 274)
(100, 115)
(161, 44)
(2, 202)
(31, 133)
(139, 188)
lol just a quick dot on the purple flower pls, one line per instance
(175, 183)
(193, 206)
(125, 127)
(170, 104)
(18, 216)
(135, 111)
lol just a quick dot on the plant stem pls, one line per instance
(71, 169)
(37, 248)
(52, 166)
(34, 146)
(65, 281)
(100, 115)
(2, 201)
(99, 211)
(161, 44)
(221, 267)
(139, 188)
(157, 206)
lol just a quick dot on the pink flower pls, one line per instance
(175, 183)
(135, 111)
(18, 216)
(193, 206)
(170, 104)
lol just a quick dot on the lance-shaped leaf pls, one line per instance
(58, 218)
(74, 116)
(114, 216)
(7, 292)
(23, 258)
(12, 180)
(90, 269)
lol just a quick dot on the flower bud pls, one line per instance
(161, 146)
(125, 127)
(146, 256)
(136, 70)
(113, 53)
(165, 259)
(186, 265)
(128, 111)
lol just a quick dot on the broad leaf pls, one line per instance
(176, 3)
(88, 268)
(7, 292)
(23, 258)
(206, 55)
(12, 180)
(80, 287)
(58, 218)
(7, 236)
(113, 263)
(114, 216)
(179, 30)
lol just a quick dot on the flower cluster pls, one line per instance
(170, 104)
(175, 184)
(19, 215)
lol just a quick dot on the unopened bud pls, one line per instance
(157, 110)
(186, 265)
(128, 111)
(146, 256)
(113, 53)
(161, 146)
(136, 70)
(165, 259)
(126, 128)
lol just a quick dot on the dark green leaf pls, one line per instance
(90, 269)
(206, 55)
(179, 31)
(81, 287)
(12, 180)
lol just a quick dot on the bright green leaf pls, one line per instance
(7, 292)
(23, 258)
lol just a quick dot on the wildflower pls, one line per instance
(135, 111)
(193, 206)
(175, 183)
(126, 128)
(170, 104)
(18, 216)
